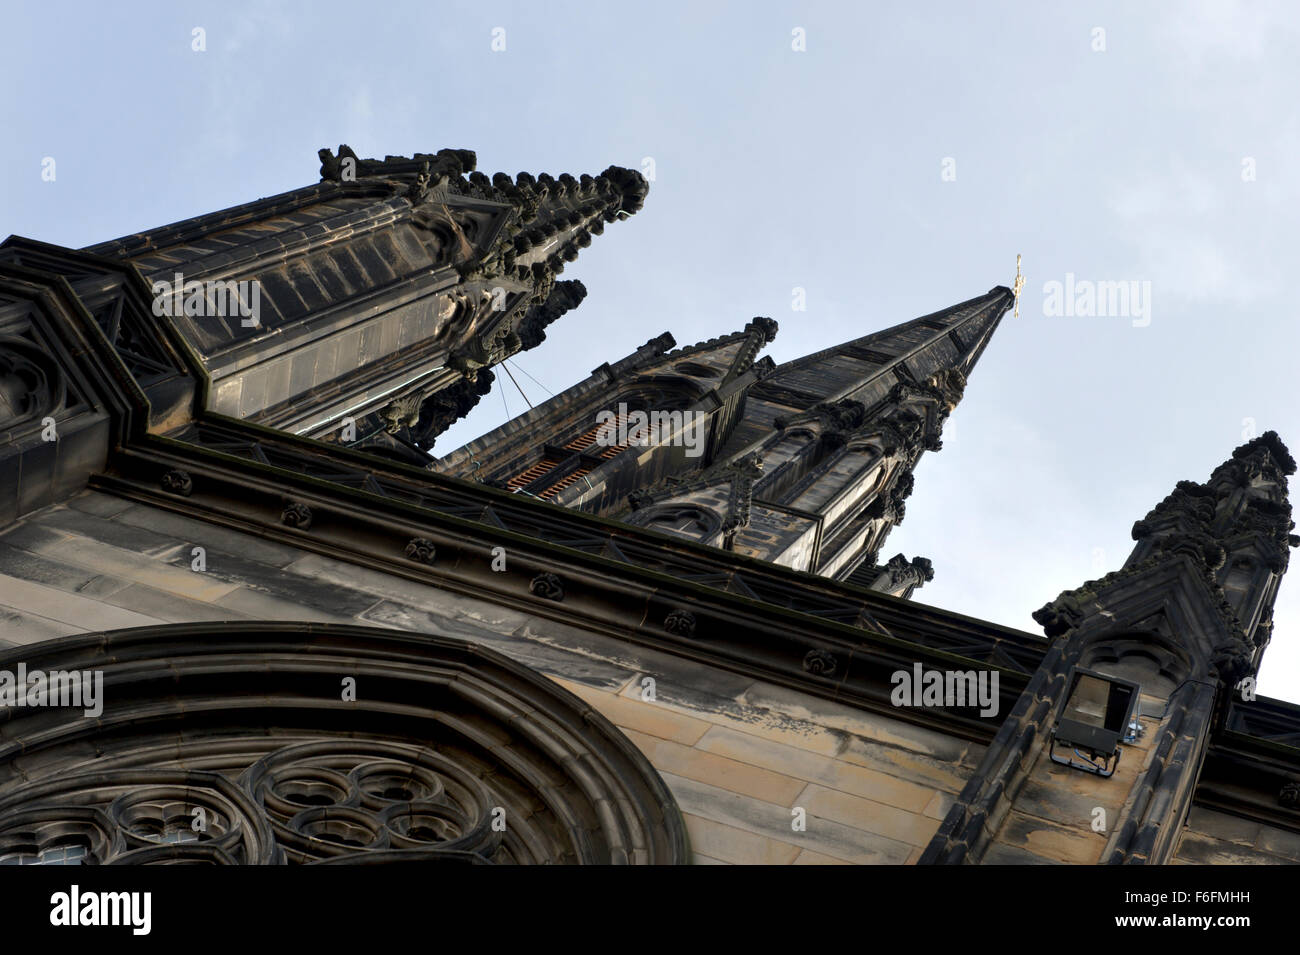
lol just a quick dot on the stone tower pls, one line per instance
(806, 464)
(384, 294)
(645, 622)
(1187, 618)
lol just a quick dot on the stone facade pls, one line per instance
(564, 641)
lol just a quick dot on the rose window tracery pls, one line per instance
(230, 744)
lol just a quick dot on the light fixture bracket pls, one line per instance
(1095, 718)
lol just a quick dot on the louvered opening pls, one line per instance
(586, 440)
(531, 474)
(571, 478)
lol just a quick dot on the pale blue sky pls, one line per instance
(773, 169)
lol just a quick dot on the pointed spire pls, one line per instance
(1233, 533)
(835, 436)
(864, 369)
(554, 217)
(806, 464)
(388, 282)
(547, 221)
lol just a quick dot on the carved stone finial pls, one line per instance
(900, 576)
(418, 191)
(767, 326)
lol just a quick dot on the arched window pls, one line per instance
(446, 739)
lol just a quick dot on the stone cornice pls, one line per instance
(752, 617)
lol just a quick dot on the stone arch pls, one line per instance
(687, 519)
(1150, 659)
(31, 384)
(443, 751)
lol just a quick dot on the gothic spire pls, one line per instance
(828, 443)
(378, 289)
(1229, 540)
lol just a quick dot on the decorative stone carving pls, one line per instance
(1289, 795)
(1060, 615)
(885, 507)
(31, 385)
(485, 350)
(820, 663)
(421, 549)
(766, 327)
(547, 585)
(418, 191)
(835, 416)
(1201, 547)
(564, 297)
(680, 622)
(915, 572)
(1232, 661)
(1240, 515)
(440, 410)
(1189, 501)
(331, 167)
(898, 577)
(1264, 630)
(444, 742)
(444, 164)
(758, 333)
(903, 486)
(1264, 458)
(401, 413)
(901, 431)
(177, 481)
(296, 514)
(640, 498)
(945, 388)
(743, 474)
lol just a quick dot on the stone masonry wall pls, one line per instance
(740, 755)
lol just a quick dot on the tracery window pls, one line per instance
(250, 755)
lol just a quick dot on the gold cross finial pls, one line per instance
(1020, 283)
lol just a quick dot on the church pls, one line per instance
(252, 613)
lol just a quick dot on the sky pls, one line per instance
(894, 165)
